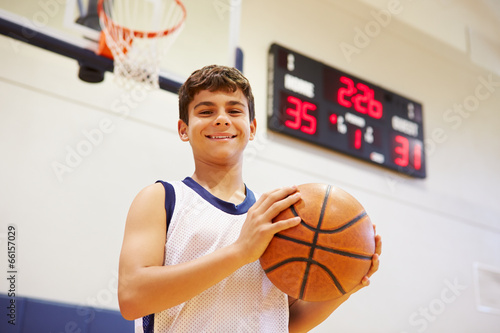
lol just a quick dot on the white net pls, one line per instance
(138, 33)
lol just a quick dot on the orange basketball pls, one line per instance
(328, 253)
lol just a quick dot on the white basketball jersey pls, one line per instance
(245, 301)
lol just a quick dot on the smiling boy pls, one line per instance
(189, 260)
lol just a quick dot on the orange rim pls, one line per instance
(108, 21)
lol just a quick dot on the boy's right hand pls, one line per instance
(259, 229)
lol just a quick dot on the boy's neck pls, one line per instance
(226, 185)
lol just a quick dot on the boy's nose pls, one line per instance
(221, 120)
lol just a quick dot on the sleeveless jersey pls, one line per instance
(198, 223)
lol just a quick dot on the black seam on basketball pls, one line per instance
(286, 261)
(313, 246)
(295, 240)
(315, 241)
(345, 253)
(328, 249)
(309, 263)
(348, 224)
(339, 229)
(332, 276)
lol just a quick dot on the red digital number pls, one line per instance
(358, 138)
(361, 101)
(403, 152)
(294, 112)
(362, 98)
(343, 92)
(375, 109)
(300, 113)
(417, 156)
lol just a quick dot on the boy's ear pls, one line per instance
(182, 130)
(253, 129)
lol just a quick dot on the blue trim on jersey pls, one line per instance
(225, 206)
(169, 200)
(148, 323)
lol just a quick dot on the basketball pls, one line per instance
(328, 253)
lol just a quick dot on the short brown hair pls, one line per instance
(214, 78)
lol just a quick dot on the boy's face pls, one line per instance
(219, 126)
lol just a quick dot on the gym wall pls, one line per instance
(74, 155)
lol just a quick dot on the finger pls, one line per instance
(276, 203)
(285, 224)
(378, 244)
(283, 204)
(271, 197)
(374, 266)
(265, 197)
(365, 282)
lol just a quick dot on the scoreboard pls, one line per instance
(325, 106)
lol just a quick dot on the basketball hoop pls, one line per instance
(136, 34)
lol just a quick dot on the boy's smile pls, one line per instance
(219, 125)
(219, 137)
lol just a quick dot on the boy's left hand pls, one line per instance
(307, 315)
(374, 267)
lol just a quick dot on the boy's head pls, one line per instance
(214, 78)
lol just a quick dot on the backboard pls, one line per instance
(71, 28)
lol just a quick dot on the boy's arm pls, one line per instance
(146, 286)
(306, 315)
